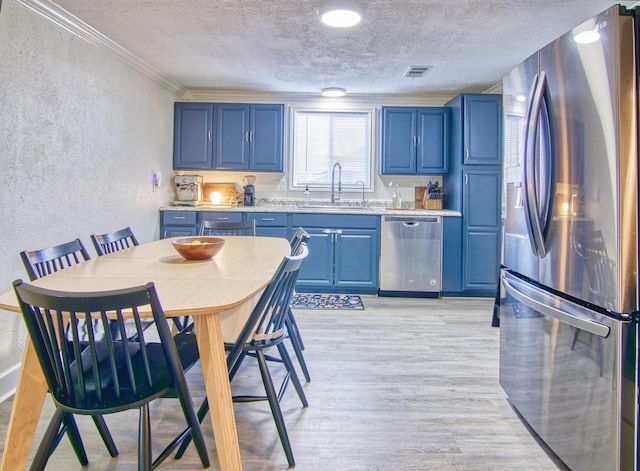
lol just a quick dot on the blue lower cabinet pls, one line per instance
(270, 224)
(221, 216)
(317, 269)
(356, 259)
(343, 253)
(177, 224)
(451, 256)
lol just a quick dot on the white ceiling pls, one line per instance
(280, 45)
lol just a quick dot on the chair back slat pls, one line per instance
(212, 228)
(114, 241)
(43, 262)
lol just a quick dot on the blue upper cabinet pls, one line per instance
(232, 129)
(266, 138)
(415, 140)
(193, 136)
(433, 140)
(398, 141)
(482, 136)
(250, 137)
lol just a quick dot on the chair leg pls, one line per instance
(193, 420)
(296, 343)
(74, 437)
(294, 327)
(275, 407)
(204, 407)
(202, 413)
(58, 425)
(101, 425)
(286, 359)
(144, 439)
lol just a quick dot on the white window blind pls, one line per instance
(323, 138)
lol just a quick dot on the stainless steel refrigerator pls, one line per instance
(569, 279)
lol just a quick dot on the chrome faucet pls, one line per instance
(364, 203)
(335, 198)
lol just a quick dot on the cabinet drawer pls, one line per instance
(221, 216)
(346, 221)
(268, 219)
(179, 218)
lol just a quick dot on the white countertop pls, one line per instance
(317, 209)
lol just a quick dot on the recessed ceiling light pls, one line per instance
(333, 92)
(340, 13)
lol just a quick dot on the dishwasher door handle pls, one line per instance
(411, 224)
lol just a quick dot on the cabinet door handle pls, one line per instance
(466, 179)
(466, 154)
(180, 217)
(250, 136)
(414, 141)
(327, 231)
(221, 218)
(267, 219)
(418, 139)
(246, 136)
(209, 134)
(337, 231)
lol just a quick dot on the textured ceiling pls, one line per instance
(281, 46)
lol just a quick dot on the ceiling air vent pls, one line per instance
(415, 71)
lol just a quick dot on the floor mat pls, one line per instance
(326, 301)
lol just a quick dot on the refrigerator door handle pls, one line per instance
(544, 183)
(530, 127)
(544, 306)
(532, 186)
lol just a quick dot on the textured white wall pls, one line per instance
(80, 134)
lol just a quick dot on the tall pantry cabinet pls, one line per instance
(472, 244)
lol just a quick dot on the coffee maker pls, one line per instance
(188, 190)
(249, 190)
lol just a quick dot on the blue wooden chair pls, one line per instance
(113, 241)
(265, 330)
(104, 376)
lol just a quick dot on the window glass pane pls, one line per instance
(323, 138)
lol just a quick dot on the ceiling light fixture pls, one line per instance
(333, 92)
(340, 13)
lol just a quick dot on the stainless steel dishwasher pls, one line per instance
(411, 256)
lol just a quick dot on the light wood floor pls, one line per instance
(406, 384)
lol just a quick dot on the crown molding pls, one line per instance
(497, 88)
(245, 96)
(76, 26)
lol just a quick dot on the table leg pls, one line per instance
(27, 406)
(216, 379)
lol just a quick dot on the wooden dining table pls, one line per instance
(216, 292)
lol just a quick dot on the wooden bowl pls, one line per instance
(198, 248)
